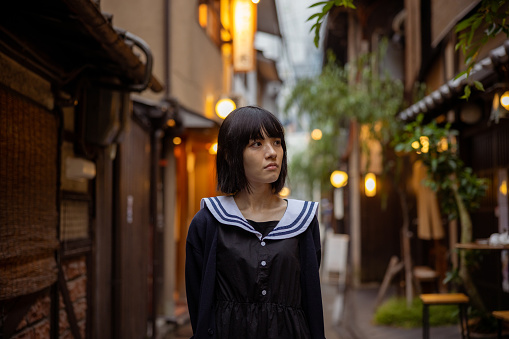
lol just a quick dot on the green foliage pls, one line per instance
(316, 161)
(331, 100)
(320, 16)
(394, 312)
(446, 171)
(488, 19)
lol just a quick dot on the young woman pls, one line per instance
(252, 258)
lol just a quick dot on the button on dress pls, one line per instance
(258, 290)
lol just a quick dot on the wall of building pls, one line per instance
(147, 21)
(196, 64)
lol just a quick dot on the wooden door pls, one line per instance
(131, 259)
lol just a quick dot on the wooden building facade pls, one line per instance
(421, 50)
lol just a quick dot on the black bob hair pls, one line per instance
(240, 126)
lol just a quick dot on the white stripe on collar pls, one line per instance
(297, 217)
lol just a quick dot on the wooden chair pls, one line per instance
(459, 299)
(501, 316)
(425, 274)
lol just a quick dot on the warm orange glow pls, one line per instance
(177, 141)
(202, 15)
(443, 145)
(338, 179)
(244, 28)
(285, 192)
(225, 35)
(226, 50)
(226, 20)
(425, 144)
(170, 122)
(503, 187)
(213, 148)
(504, 100)
(370, 184)
(316, 134)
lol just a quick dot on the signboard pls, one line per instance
(244, 28)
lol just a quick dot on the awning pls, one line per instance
(192, 119)
(266, 68)
(60, 39)
(485, 71)
(267, 19)
(155, 114)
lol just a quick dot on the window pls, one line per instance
(209, 19)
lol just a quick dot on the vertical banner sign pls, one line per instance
(244, 28)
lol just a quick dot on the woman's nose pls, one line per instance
(270, 151)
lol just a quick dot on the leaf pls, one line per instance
(314, 16)
(463, 24)
(467, 92)
(479, 86)
(327, 7)
(434, 164)
(318, 4)
(317, 35)
(459, 75)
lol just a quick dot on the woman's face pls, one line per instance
(262, 160)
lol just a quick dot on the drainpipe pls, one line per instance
(102, 30)
(167, 36)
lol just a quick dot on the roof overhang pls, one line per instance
(61, 39)
(487, 71)
(192, 119)
(267, 18)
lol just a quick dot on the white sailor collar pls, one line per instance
(297, 217)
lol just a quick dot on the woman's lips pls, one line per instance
(271, 167)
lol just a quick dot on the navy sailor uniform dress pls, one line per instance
(258, 290)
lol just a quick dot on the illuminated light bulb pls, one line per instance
(504, 100)
(224, 107)
(370, 184)
(316, 134)
(213, 148)
(338, 179)
(177, 141)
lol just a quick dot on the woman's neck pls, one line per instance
(260, 204)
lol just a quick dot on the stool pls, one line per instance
(501, 316)
(459, 299)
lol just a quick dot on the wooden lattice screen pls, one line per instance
(28, 196)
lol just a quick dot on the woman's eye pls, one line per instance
(277, 142)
